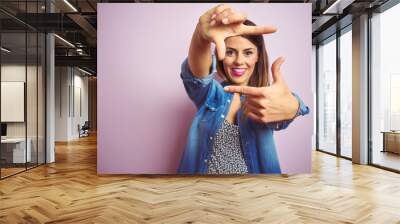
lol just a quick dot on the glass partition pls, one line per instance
(41, 87)
(327, 96)
(13, 108)
(22, 77)
(385, 89)
(32, 95)
(346, 93)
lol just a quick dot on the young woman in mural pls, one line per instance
(232, 132)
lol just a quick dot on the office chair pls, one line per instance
(84, 130)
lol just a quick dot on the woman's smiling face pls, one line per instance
(240, 59)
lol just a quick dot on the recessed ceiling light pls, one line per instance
(337, 7)
(64, 40)
(70, 5)
(84, 71)
(5, 50)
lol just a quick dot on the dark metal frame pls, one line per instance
(0, 93)
(338, 98)
(26, 89)
(37, 164)
(341, 32)
(389, 4)
(317, 93)
(369, 90)
(338, 153)
(45, 91)
(317, 98)
(382, 8)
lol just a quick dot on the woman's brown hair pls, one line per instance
(260, 76)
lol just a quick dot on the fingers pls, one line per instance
(276, 69)
(247, 90)
(255, 102)
(220, 8)
(236, 18)
(256, 30)
(206, 17)
(254, 109)
(211, 13)
(220, 46)
(229, 16)
(255, 117)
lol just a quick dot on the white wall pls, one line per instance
(79, 117)
(70, 83)
(33, 127)
(62, 80)
(9, 73)
(15, 72)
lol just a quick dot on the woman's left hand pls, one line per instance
(271, 103)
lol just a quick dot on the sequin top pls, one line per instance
(227, 155)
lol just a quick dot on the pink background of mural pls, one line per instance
(143, 110)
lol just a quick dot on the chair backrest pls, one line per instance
(86, 125)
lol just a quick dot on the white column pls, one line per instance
(360, 90)
(50, 92)
(50, 110)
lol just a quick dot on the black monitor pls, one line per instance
(3, 129)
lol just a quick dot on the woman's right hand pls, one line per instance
(222, 22)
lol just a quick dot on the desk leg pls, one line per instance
(384, 142)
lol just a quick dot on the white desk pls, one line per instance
(18, 150)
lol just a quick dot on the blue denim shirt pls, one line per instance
(213, 104)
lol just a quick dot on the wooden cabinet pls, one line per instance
(391, 141)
